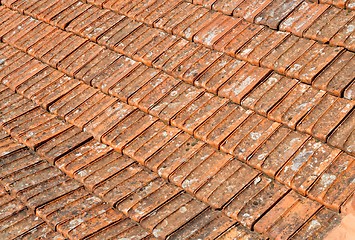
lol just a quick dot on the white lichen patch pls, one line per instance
(156, 232)
(350, 28)
(262, 156)
(75, 222)
(255, 135)
(183, 209)
(257, 180)
(301, 158)
(314, 224)
(173, 93)
(187, 183)
(327, 179)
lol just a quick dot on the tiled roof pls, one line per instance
(160, 119)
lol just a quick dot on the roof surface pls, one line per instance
(154, 119)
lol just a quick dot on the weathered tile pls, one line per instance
(249, 9)
(230, 144)
(209, 224)
(337, 75)
(293, 212)
(219, 179)
(295, 105)
(179, 217)
(335, 184)
(240, 84)
(207, 169)
(122, 138)
(319, 225)
(275, 12)
(210, 34)
(271, 157)
(218, 127)
(223, 75)
(153, 201)
(254, 201)
(224, 41)
(302, 17)
(342, 137)
(124, 183)
(63, 144)
(239, 40)
(226, 6)
(268, 93)
(156, 142)
(185, 169)
(328, 105)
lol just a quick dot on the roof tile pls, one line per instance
(295, 105)
(169, 177)
(238, 232)
(69, 14)
(63, 144)
(249, 9)
(220, 125)
(22, 226)
(251, 203)
(312, 156)
(32, 37)
(160, 11)
(321, 119)
(230, 187)
(226, 6)
(210, 34)
(183, 145)
(292, 211)
(302, 18)
(240, 84)
(122, 184)
(215, 82)
(180, 216)
(209, 224)
(343, 135)
(337, 76)
(275, 12)
(319, 225)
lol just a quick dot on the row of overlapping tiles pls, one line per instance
(287, 54)
(321, 22)
(18, 221)
(280, 99)
(65, 205)
(282, 52)
(250, 137)
(105, 126)
(347, 4)
(115, 69)
(163, 209)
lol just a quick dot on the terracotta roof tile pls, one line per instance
(176, 119)
(19, 222)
